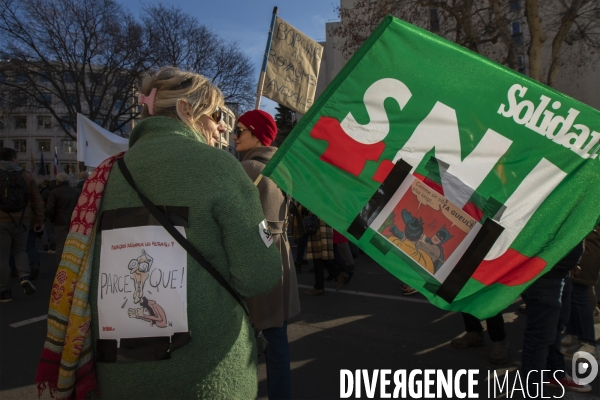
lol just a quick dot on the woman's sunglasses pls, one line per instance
(217, 115)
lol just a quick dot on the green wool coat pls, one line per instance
(171, 166)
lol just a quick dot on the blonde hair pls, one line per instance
(173, 85)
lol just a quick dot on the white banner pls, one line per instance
(95, 144)
(142, 284)
(293, 68)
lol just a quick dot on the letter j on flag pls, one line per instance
(461, 177)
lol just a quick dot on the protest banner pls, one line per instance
(461, 177)
(95, 144)
(293, 67)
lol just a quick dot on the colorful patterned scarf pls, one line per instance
(67, 362)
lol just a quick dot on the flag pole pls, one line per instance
(263, 70)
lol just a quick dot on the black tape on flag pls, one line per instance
(474, 255)
(380, 198)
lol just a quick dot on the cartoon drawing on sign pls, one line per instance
(430, 228)
(433, 246)
(150, 310)
(407, 240)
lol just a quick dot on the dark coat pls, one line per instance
(61, 203)
(590, 261)
(34, 213)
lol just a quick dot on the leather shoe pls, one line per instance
(314, 292)
(342, 279)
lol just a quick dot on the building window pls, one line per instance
(20, 145)
(68, 146)
(70, 122)
(43, 77)
(44, 98)
(21, 122)
(68, 77)
(515, 5)
(118, 104)
(121, 129)
(71, 100)
(44, 145)
(521, 63)
(434, 20)
(96, 102)
(95, 79)
(21, 78)
(517, 34)
(21, 100)
(44, 122)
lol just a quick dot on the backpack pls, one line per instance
(311, 224)
(14, 194)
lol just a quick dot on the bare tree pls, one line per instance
(487, 27)
(180, 40)
(72, 56)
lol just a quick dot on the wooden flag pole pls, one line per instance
(263, 70)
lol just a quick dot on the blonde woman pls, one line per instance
(173, 163)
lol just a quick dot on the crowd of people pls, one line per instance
(237, 230)
(29, 211)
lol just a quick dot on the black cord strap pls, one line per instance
(164, 221)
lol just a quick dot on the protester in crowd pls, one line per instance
(548, 308)
(580, 332)
(20, 205)
(32, 253)
(300, 238)
(181, 120)
(342, 254)
(270, 312)
(48, 237)
(474, 336)
(81, 177)
(59, 208)
(320, 250)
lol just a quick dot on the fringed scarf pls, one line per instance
(67, 362)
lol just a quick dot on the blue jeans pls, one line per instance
(548, 308)
(277, 357)
(581, 323)
(32, 251)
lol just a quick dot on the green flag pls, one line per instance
(459, 176)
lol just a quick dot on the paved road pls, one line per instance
(367, 325)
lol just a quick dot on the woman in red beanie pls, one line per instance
(270, 312)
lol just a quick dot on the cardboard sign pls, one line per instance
(293, 68)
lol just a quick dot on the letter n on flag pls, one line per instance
(409, 156)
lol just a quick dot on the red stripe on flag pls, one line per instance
(511, 269)
(343, 151)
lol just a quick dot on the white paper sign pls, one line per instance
(142, 283)
(265, 233)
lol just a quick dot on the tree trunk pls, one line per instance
(502, 24)
(559, 39)
(537, 38)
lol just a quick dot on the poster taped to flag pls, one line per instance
(461, 177)
(293, 68)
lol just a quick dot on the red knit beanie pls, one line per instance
(261, 124)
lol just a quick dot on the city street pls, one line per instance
(368, 325)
